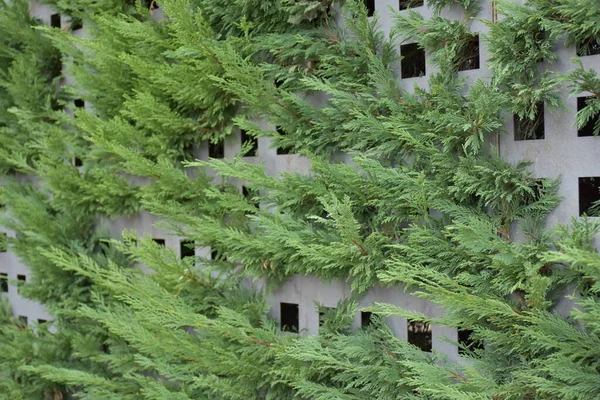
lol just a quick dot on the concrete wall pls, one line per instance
(561, 153)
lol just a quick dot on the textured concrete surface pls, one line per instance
(560, 154)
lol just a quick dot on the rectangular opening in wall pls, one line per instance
(22, 279)
(186, 248)
(4, 282)
(470, 56)
(406, 4)
(216, 150)
(588, 128)
(214, 254)
(23, 320)
(413, 61)
(467, 343)
(289, 313)
(537, 186)
(249, 141)
(530, 129)
(249, 196)
(324, 313)
(370, 5)
(365, 318)
(160, 242)
(419, 334)
(55, 20)
(76, 24)
(150, 4)
(589, 47)
(77, 162)
(3, 242)
(41, 321)
(79, 103)
(282, 150)
(589, 193)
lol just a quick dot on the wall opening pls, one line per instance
(467, 343)
(283, 150)
(250, 141)
(406, 4)
(413, 61)
(588, 128)
(324, 313)
(3, 242)
(589, 193)
(419, 334)
(76, 24)
(589, 47)
(160, 242)
(186, 248)
(365, 318)
(55, 20)
(289, 319)
(527, 129)
(470, 57)
(216, 150)
(4, 282)
(370, 5)
(248, 194)
(22, 279)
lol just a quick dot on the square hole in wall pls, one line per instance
(150, 4)
(527, 129)
(79, 103)
(55, 20)
(3, 242)
(22, 279)
(588, 48)
(23, 320)
(589, 193)
(188, 151)
(406, 4)
(289, 313)
(187, 248)
(282, 150)
(365, 318)
(419, 334)
(4, 282)
(216, 150)
(77, 162)
(588, 128)
(413, 61)
(160, 242)
(249, 140)
(76, 24)
(370, 5)
(42, 321)
(537, 185)
(248, 195)
(214, 254)
(465, 340)
(470, 56)
(322, 314)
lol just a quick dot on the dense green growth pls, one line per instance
(423, 200)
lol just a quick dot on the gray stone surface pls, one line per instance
(560, 154)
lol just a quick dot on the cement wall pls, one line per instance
(561, 153)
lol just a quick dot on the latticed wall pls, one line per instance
(557, 149)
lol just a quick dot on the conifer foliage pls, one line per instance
(421, 200)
